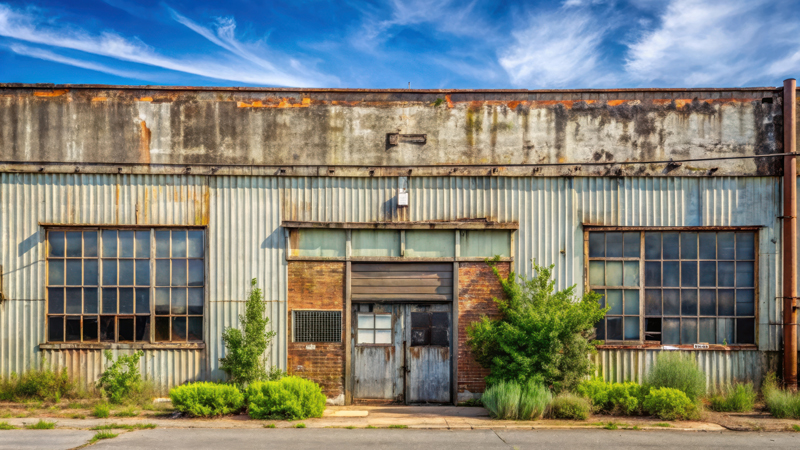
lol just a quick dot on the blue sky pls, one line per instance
(434, 44)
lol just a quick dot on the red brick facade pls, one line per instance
(477, 286)
(317, 285)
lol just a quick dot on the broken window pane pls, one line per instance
(55, 328)
(600, 330)
(126, 329)
(162, 328)
(420, 336)
(614, 328)
(107, 332)
(614, 245)
(745, 331)
(90, 328)
(179, 328)
(143, 328)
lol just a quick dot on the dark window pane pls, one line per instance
(162, 301)
(196, 301)
(55, 329)
(725, 331)
(162, 328)
(671, 273)
(725, 245)
(614, 328)
(631, 244)
(195, 328)
(672, 302)
(74, 272)
(440, 337)
(745, 302)
(652, 302)
(745, 246)
(107, 333)
(602, 300)
(143, 328)
(56, 241)
(744, 274)
(745, 331)
(142, 239)
(600, 330)
(162, 244)
(708, 302)
(72, 331)
(689, 331)
(631, 328)
(688, 302)
(74, 244)
(55, 301)
(688, 273)
(708, 273)
(74, 300)
(90, 301)
(143, 272)
(439, 320)
(178, 272)
(162, 272)
(109, 243)
(178, 245)
(420, 336)
(420, 320)
(613, 245)
(90, 248)
(652, 329)
(725, 300)
(652, 245)
(125, 250)
(196, 272)
(596, 245)
(125, 301)
(90, 272)
(125, 329)
(671, 245)
(708, 331)
(652, 274)
(195, 244)
(178, 301)
(688, 245)
(126, 272)
(55, 272)
(142, 301)
(725, 273)
(109, 301)
(179, 328)
(109, 272)
(89, 328)
(708, 245)
(614, 301)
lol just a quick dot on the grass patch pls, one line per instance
(679, 371)
(611, 426)
(635, 427)
(300, 425)
(101, 410)
(102, 435)
(127, 412)
(74, 405)
(351, 427)
(269, 425)
(795, 427)
(8, 426)
(662, 424)
(6, 415)
(780, 402)
(569, 406)
(113, 426)
(738, 398)
(41, 425)
(76, 416)
(370, 427)
(398, 426)
(37, 384)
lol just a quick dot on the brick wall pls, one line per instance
(477, 286)
(317, 285)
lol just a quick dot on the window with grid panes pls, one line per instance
(100, 286)
(694, 287)
(374, 328)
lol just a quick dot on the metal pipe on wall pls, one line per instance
(789, 234)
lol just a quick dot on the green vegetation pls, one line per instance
(739, 398)
(7, 426)
(102, 435)
(300, 425)
(351, 427)
(780, 403)
(662, 425)
(543, 335)
(508, 400)
(471, 402)
(610, 426)
(398, 426)
(36, 384)
(206, 399)
(101, 410)
(127, 412)
(290, 398)
(678, 371)
(619, 398)
(569, 406)
(41, 425)
(370, 427)
(76, 416)
(438, 101)
(121, 380)
(795, 427)
(670, 404)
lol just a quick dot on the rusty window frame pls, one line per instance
(643, 315)
(374, 329)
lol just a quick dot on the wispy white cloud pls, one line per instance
(39, 53)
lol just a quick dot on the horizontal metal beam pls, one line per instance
(454, 225)
(596, 227)
(84, 226)
(124, 346)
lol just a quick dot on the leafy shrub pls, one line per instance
(101, 410)
(679, 371)
(670, 404)
(569, 406)
(244, 360)
(780, 403)
(288, 398)
(533, 401)
(507, 400)
(620, 398)
(206, 399)
(739, 398)
(36, 384)
(543, 334)
(122, 379)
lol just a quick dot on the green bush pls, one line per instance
(534, 400)
(289, 398)
(620, 398)
(543, 334)
(780, 403)
(670, 404)
(206, 399)
(739, 398)
(36, 384)
(122, 379)
(101, 410)
(507, 400)
(678, 371)
(568, 406)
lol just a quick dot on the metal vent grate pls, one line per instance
(317, 326)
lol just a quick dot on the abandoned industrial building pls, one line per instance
(134, 217)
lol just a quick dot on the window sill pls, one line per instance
(124, 346)
(711, 347)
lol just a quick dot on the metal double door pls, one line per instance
(402, 352)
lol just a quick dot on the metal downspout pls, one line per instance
(789, 235)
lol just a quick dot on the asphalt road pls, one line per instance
(197, 439)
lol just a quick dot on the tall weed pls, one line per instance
(780, 403)
(36, 384)
(678, 371)
(122, 379)
(502, 400)
(740, 397)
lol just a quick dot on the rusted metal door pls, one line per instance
(378, 351)
(428, 353)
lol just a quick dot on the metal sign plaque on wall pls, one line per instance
(397, 138)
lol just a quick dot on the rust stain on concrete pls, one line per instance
(53, 93)
(144, 144)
